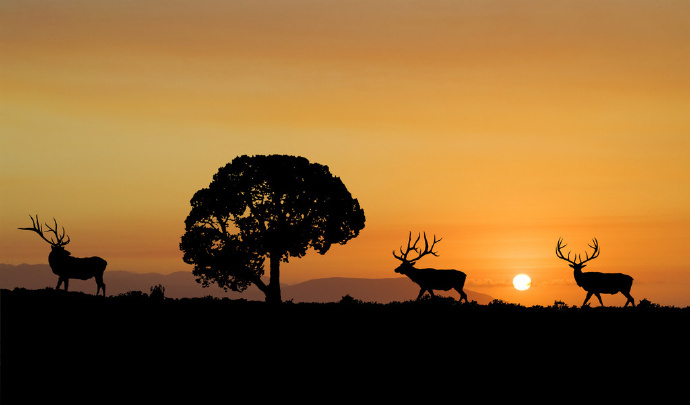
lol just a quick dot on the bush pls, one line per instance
(348, 299)
(559, 305)
(134, 295)
(157, 292)
(647, 304)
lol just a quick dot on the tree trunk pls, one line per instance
(273, 291)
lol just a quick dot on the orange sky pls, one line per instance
(497, 125)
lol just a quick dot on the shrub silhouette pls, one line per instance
(347, 299)
(133, 295)
(559, 305)
(265, 207)
(157, 292)
(647, 304)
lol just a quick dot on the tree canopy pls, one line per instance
(265, 207)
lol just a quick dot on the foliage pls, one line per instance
(134, 294)
(348, 300)
(502, 304)
(438, 300)
(559, 305)
(647, 304)
(265, 207)
(157, 292)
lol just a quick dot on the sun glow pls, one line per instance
(522, 282)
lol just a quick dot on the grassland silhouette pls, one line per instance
(65, 345)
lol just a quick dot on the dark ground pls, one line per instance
(58, 345)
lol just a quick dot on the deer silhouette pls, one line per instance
(429, 279)
(63, 264)
(594, 282)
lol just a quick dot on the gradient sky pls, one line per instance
(497, 125)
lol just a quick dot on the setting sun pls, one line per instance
(522, 282)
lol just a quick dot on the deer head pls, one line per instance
(58, 245)
(408, 263)
(575, 264)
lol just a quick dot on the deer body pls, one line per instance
(432, 279)
(596, 283)
(429, 279)
(64, 265)
(603, 283)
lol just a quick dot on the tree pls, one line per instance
(265, 207)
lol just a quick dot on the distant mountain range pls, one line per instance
(183, 285)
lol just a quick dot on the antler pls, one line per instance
(427, 249)
(559, 246)
(36, 227)
(403, 255)
(595, 254)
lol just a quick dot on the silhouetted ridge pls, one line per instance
(182, 285)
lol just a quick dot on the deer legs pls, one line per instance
(100, 284)
(463, 296)
(629, 297)
(421, 292)
(60, 281)
(589, 295)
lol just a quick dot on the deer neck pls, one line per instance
(577, 272)
(412, 273)
(55, 260)
(53, 256)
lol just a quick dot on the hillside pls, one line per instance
(64, 345)
(183, 285)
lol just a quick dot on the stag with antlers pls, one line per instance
(63, 264)
(594, 282)
(429, 279)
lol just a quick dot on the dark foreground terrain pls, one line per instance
(65, 346)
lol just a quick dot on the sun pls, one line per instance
(522, 282)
